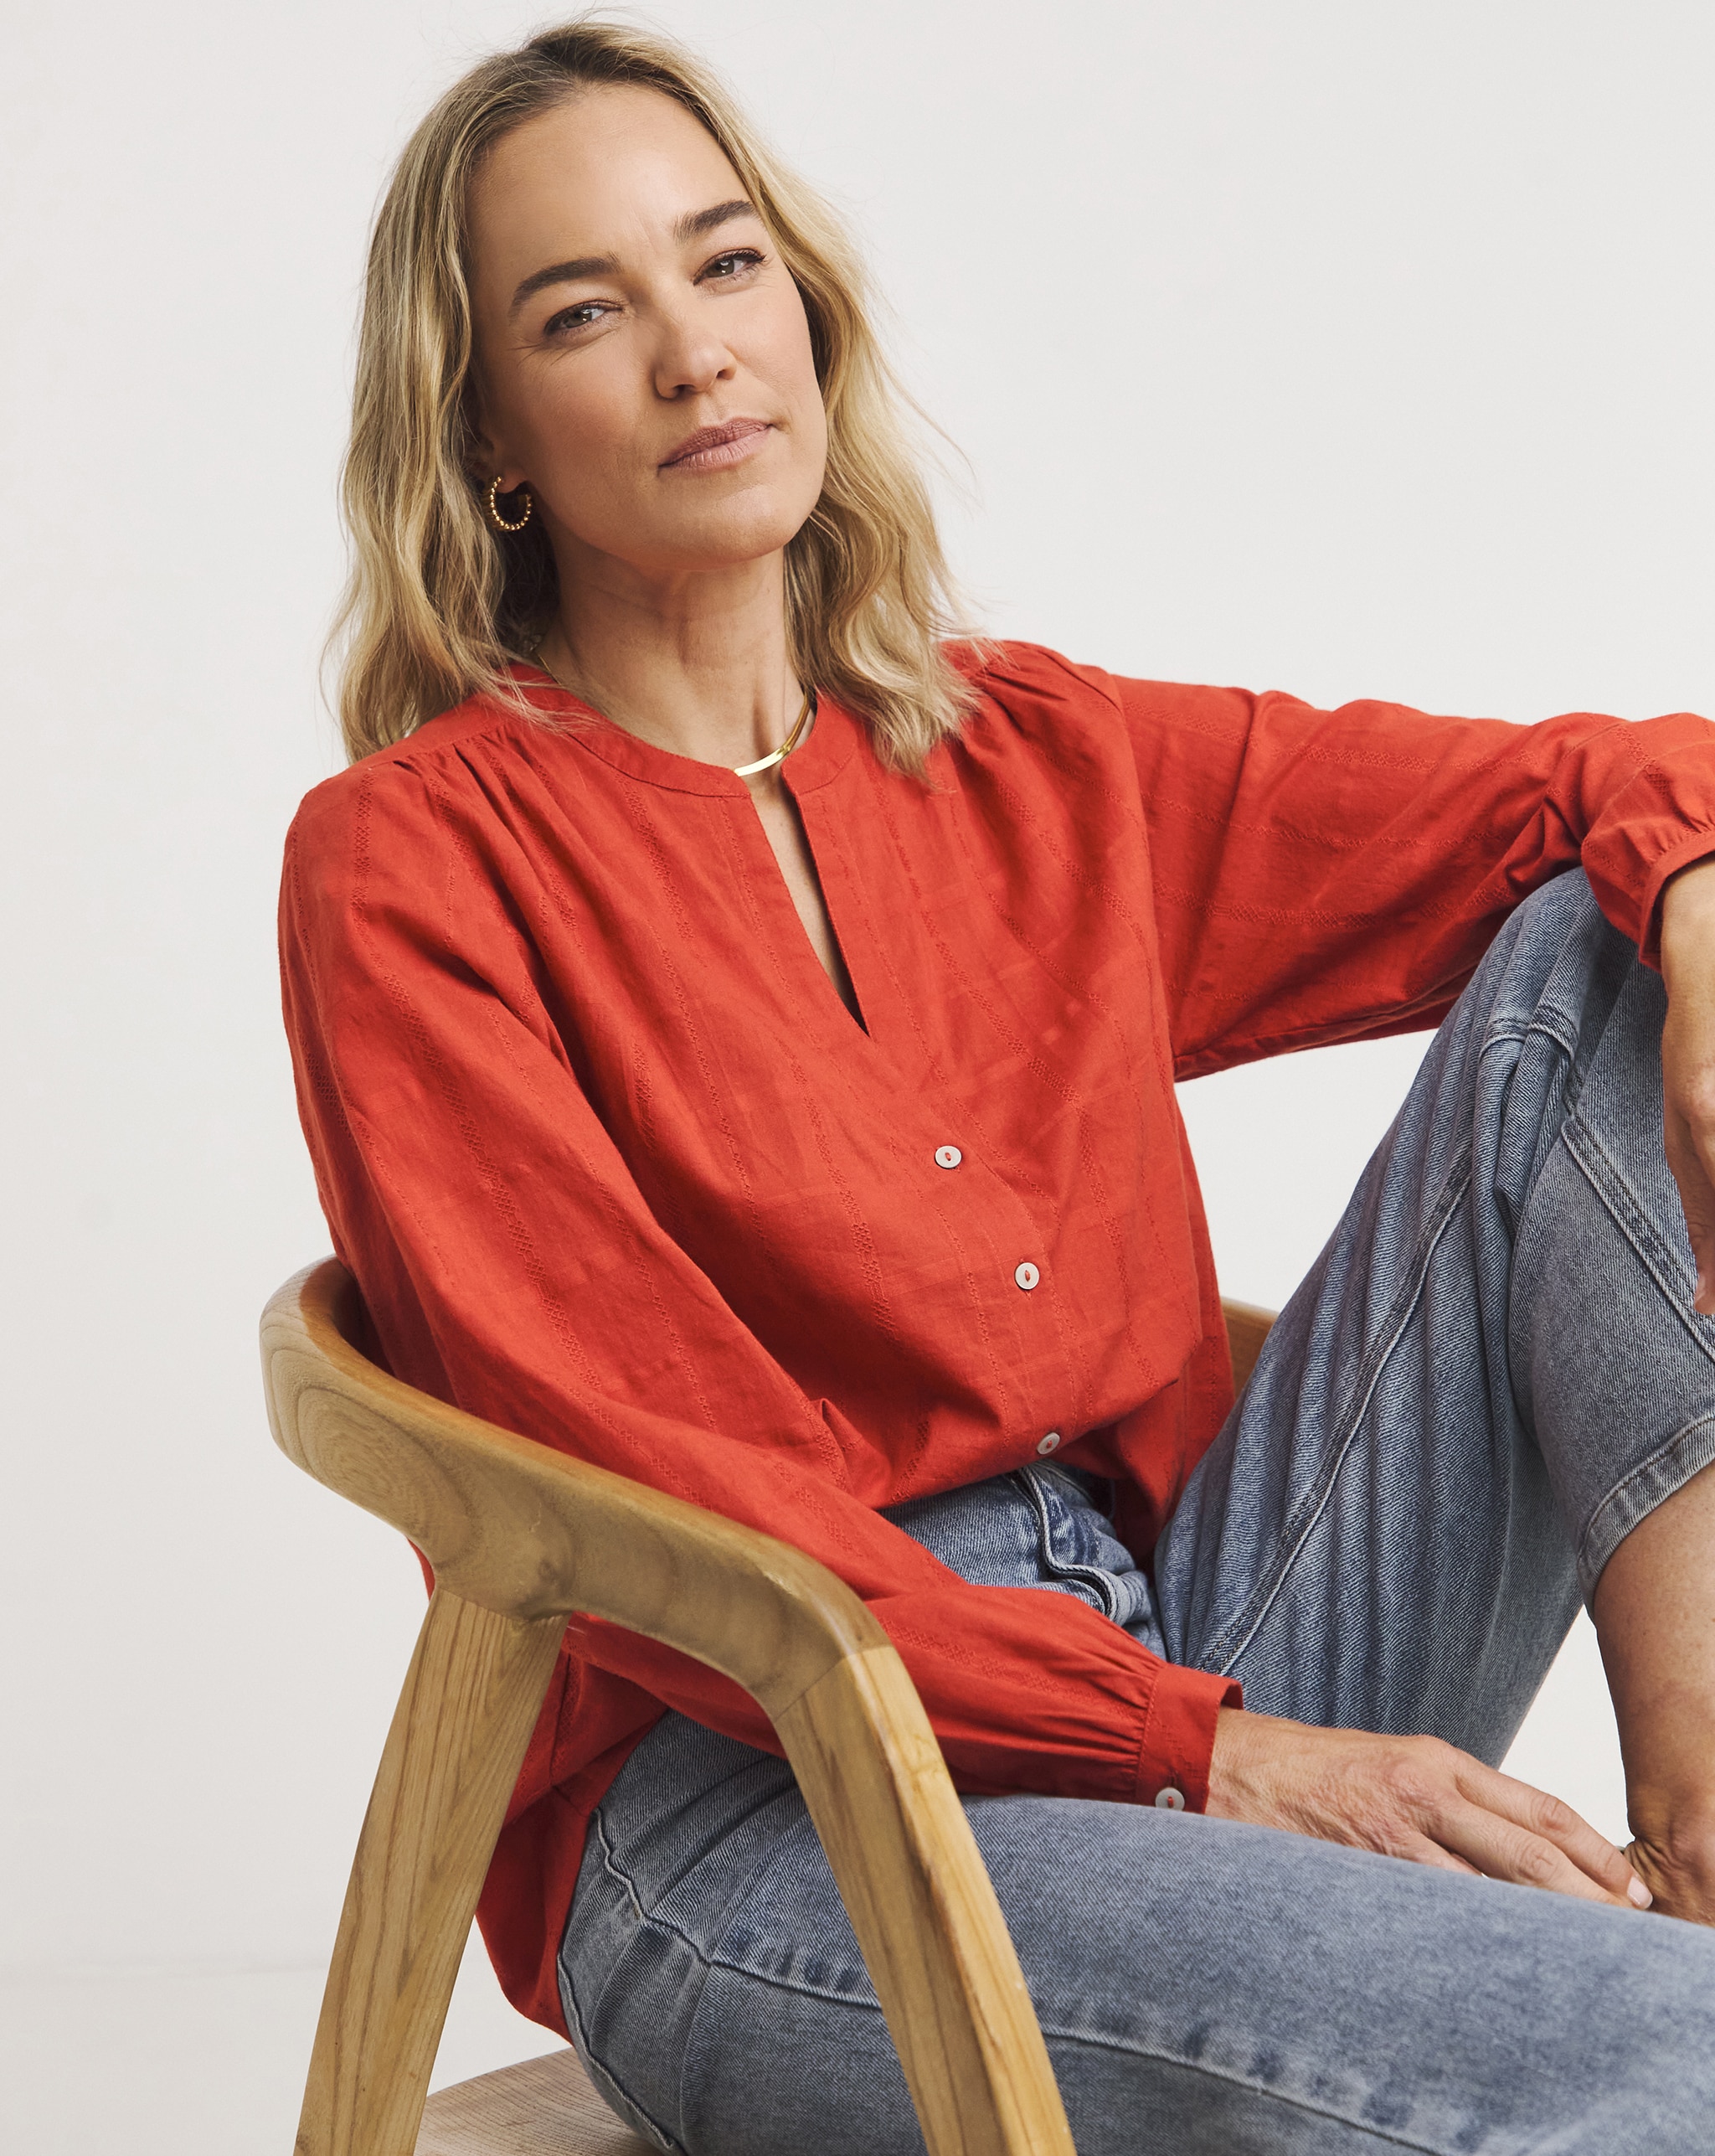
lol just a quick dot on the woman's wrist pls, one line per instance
(1239, 1762)
(1688, 922)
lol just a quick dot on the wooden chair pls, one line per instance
(521, 1536)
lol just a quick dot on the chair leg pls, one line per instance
(471, 1700)
(920, 1901)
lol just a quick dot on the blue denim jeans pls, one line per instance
(1492, 1373)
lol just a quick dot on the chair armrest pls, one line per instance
(528, 1533)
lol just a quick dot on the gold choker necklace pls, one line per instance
(786, 747)
(806, 712)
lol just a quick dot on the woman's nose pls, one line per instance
(689, 360)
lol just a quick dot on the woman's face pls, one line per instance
(643, 361)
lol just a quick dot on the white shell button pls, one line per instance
(1169, 1800)
(947, 1156)
(1026, 1275)
(1051, 1443)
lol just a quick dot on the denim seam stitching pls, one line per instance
(1092, 1574)
(1498, 1036)
(710, 1960)
(1588, 1541)
(569, 1998)
(1315, 1502)
(611, 1864)
(798, 1988)
(1233, 2080)
(1607, 1180)
(1058, 2032)
(1614, 1193)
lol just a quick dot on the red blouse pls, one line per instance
(616, 1167)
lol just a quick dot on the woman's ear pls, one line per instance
(486, 459)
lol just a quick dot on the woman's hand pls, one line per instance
(1410, 1796)
(1689, 1059)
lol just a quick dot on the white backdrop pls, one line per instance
(1324, 346)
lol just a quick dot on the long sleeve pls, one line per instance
(1331, 875)
(615, 1167)
(512, 1265)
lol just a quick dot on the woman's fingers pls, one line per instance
(1503, 1829)
(1509, 1830)
(1415, 1797)
(1419, 1848)
(1500, 1849)
(1538, 1812)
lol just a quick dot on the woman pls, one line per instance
(736, 1031)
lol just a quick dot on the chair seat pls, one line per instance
(544, 2107)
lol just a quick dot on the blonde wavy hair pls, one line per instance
(439, 603)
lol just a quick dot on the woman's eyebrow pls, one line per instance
(700, 222)
(695, 224)
(564, 273)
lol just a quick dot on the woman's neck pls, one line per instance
(699, 665)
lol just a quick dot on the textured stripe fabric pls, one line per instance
(616, 1167)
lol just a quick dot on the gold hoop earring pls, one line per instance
(495, 518)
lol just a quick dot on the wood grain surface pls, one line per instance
(529, 1535)
(520, 1536)
(470, 1702)
(525, 1531)
(544, 2107)
(920, 1901)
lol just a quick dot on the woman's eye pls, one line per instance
(725, 266)
(574, 317)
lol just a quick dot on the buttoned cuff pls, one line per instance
(1179, 1736)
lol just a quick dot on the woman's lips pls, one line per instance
(712, 448)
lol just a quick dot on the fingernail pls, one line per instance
(1638, 1894)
